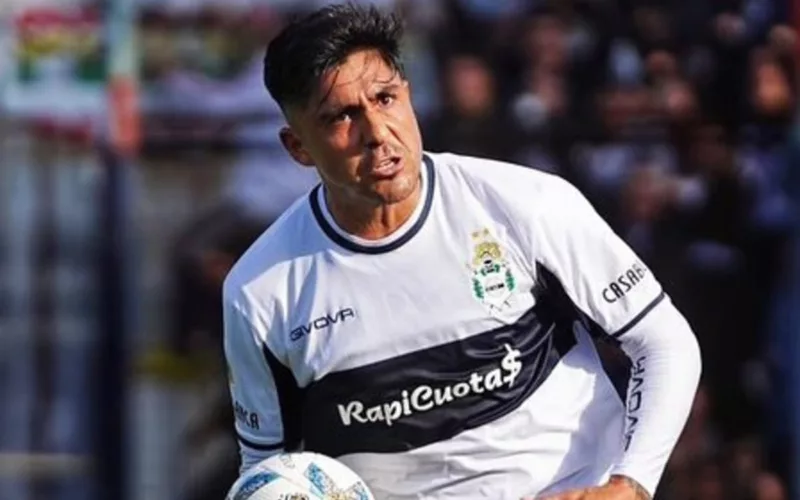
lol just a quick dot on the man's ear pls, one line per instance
(294, 146)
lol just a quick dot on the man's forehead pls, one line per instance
(358, 73)
(362, 72)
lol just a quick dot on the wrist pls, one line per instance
(639, 493)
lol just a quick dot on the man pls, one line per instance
(427, 318)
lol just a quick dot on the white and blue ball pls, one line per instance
(299, 476)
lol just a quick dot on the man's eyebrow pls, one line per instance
(391, 86)
(323, 109)
(328, 106)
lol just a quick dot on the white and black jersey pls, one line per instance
(452, 359)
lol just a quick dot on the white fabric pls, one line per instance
(665, 375)
(374, 337)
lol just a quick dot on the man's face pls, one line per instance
(360, 131)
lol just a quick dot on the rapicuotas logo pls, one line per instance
(426, 397)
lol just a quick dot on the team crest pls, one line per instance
(493, 281)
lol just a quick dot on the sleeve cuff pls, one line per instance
(259, 446)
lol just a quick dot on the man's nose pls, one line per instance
(374, 130)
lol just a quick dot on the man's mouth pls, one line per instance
(387, 167)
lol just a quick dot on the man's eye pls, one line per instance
(385, 99)
(340, 117)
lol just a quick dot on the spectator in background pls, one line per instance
(769, 487)
(229, 110)
(541, 110)
(719, 295)
(471, 123)
(217, 102)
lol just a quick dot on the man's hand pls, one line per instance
(617, 488)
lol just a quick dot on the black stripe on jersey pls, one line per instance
(457, 385)
(290, 399)
(260, 447)
(635, 321)
(331, 233)
(615, 362)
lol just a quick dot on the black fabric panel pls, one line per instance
(541, 336)
(290, 398)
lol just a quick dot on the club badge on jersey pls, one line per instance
(493, 280)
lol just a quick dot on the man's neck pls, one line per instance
(372, 221)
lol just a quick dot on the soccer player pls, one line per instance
(427, 319)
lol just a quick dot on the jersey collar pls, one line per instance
(391, 242)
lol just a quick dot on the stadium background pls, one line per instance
(678, 120)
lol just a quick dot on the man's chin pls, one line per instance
(395, 191)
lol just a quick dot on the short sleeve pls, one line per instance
(600, 273)
(262, 389)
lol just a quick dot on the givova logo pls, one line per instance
(425, 397)
(321, 323)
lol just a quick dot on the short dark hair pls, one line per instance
(311, 45)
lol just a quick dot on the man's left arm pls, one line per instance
(664, 378)
(619, 296)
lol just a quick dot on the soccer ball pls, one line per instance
(299, 476)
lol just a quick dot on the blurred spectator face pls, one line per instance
(710, 152)
(547, 44)
(662, 65)
(621, 107)
(678, 101)
(769, 487)
(782, 39)
(674, 97)
(709, 484)
(646, 194)
(544, 99)
(772, 93)
(470, 86)
(612, 106)
(652, 25)
(214, 267)
(746, 461)
(549, 88)
(729, 27)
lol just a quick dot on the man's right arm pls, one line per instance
(254, 385)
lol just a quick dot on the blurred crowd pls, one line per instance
(674, 117)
